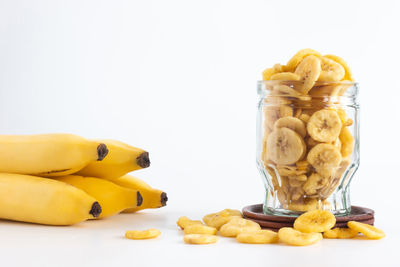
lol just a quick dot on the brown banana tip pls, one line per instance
(95, 210)
(164, 199)
(139, 199)
(143, 160)
(102, 151)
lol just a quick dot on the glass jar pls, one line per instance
(307, 145)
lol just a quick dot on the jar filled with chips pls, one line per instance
(308, 134)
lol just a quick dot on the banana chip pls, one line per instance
(293, 237)
(368, 230)
(258, 237)
(200, 239)
(340, 233)
(315, 221)
(237, 226)
(200, 229)
(184, 221)
(145, 234)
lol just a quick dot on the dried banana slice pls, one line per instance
(218, 219)
(292, 123)
(297, 193)
(293, 237)
(299, 56)
(347, 141)
(285, 76)
(271, 114)
(300, 178)
(314, 183)
(230, 212)
(285, 90)
(324, 126)
(303, 165)
(285, 111)
(366, 229)
(309, 70)
(337, 143)
(315, 221)
(328, 90)
(200, 229)
(340, 233)
(346, 121)
(284, 170)
(325, 158)
(330, 71)
(279, 68)
(258, 237)
(145, 234)
(200, 239)
(311, 142)
(331, 187)
(348, 75)
(306, 204)
(285, 146)
(304, 117)
(237, 226)
(267, 73)
(297, 112)
(184, 221)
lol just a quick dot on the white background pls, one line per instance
(178, 78)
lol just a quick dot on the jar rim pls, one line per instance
(318, 83)
(351, 90)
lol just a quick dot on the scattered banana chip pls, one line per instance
(293, 237)
(218, 219)
(230, 212)
(315, 221)
(366, 229)
(258, 237)
(238, 225)
(341, 233)
(144, 234)
(200, 239)
(200, 229)
(184, 221)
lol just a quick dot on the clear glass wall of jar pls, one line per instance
(307, 145)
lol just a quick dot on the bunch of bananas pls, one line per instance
(307, 145)
(63, 179)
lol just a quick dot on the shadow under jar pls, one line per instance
(307, 146)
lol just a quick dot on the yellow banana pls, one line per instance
(48, 154)
(112, 198)
(152, 198)
(121, 159)
(46, 201)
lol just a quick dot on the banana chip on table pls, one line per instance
(293, 237)
(340, 233)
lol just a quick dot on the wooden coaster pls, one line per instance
(277, 225)
(255, 213)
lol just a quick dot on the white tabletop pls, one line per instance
(102, 243)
